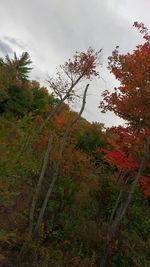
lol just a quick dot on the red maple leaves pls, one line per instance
(120, 160)
(124, 153)
(131, 99)
(84, 63)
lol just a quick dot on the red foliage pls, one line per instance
(131, 99)
(120, 160)
(82, 66)
(145, 184)
(84, 63)
(124, 152)
(143, 30)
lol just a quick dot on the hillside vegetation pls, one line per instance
(74, 193)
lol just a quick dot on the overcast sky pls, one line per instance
(52, 30)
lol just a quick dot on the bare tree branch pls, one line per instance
(58, 106)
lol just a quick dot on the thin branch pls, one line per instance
(58, 106)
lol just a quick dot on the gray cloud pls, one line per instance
(14, 41)
(5, 48)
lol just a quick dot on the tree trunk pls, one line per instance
(39, 184)
(56, 169)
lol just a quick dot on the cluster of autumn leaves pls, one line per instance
(131, 101)
(125, 153)
(54, 146)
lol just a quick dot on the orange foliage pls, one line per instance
(60, 120)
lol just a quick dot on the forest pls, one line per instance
(75, 193)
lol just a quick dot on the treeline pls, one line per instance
(67, 184)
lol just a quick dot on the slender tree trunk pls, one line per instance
(56, 169)
(115, 207)
(120, 209)
(39, 184)
(36, 195)
(105, 256)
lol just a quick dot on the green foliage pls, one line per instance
(14, 84)
(91, 138)
(19, 102)
(42, 100)
(20, 65)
